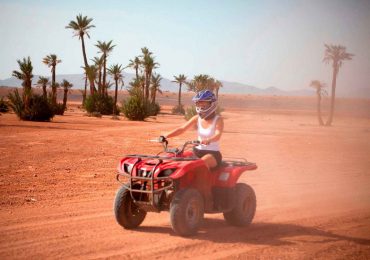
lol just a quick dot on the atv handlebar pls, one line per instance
(162, 139)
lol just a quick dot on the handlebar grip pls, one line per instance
(162, 139)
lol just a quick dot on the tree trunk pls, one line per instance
(53, 87)
(104, 75)
(92, 87)
(153, 95)
(65, 99)
(26, 93)
(332, 100)
(319, 109)
(147, 83)
(180, 94)
(84, 93)
(136, 72)
(99, 83)
(84, 50)
(115, 99)
(44, 93)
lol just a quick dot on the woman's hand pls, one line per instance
(205, 141)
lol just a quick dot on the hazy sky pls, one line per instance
(261, 43)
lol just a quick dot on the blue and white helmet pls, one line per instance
(205, 95)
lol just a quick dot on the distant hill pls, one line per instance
(228, 87)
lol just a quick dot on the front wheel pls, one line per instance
(187, 211)
(245, 208)
(127, 214)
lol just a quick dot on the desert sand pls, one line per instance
(312, 185)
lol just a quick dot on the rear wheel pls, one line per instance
(127, 214)
(187, 211)
(245, 208)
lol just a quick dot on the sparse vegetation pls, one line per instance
(66, 86)
(52, 61)
(135, 108)
(100, 104)
(116, 72)
(3, 106)
(190, 112)
(81, 28)
(181, 79)
(336, 55)
(320, 91)
(38, 108)
(153, 109)
(179, 109)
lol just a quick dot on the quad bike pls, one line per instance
(176, 181)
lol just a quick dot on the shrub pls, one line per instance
(179, 110)
(59, 109)
(190, 112)
(95, 114)
(135, 108)
(3, 106)
(101, 104)
(39, 108)
(153, 109)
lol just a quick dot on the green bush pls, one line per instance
(135, 108)
(190, 112)
(3, 106)
(58, 109)
(101, 104)
(39, 109)
(178, 110)
(153, 109)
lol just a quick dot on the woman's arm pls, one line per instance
(178, 131)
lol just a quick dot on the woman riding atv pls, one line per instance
(209, 126)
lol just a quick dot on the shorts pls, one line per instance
(216, 154)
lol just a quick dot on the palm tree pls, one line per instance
(136, 87)
(148, 64)
(155, 87)
(181, 79)
(81, 27)
(25, 74)
(66, 86)
(91, 73)
(217, 86)
(99, 63)
(105, 48)
(51, 61)
(335, 54)
(116, 72)
(135, 64)
(200, 82)
(320, 91)
(43, 82)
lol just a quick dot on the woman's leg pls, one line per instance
(210, 161)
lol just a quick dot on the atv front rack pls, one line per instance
(149, 184)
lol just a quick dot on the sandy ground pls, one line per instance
(58, 184)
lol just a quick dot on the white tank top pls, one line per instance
(204, 133)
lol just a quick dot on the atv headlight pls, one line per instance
(127, 168)
(166, 172)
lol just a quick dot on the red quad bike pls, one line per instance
(178, 182)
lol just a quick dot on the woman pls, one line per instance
(209, 126)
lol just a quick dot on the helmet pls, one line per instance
(205, 95)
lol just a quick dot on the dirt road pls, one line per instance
(58, 184)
